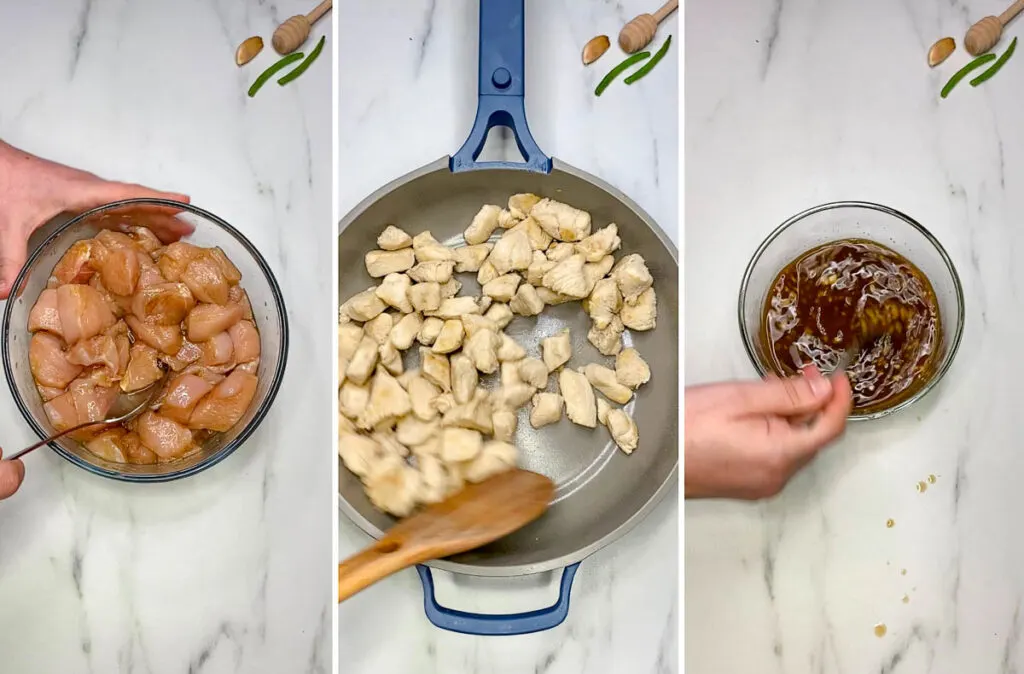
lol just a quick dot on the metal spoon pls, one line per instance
(125, 408)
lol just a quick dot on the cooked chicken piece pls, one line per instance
(623, 430)
(609, 340)
(482, 348)
(391, 358)
(603, 408)
(519, 205)
(561, 221)
(499, 314)
(175, 258)
(78, 263)
(405, 331)
(604, 303)
(100, 350)
(245, 341)
(389, 443)
(460, 444)
(163, 303)
(143, 368)
(510, 374)
(603, 379)
(580, 403)
(349, 337)
(444, 403)
(510, 349)
(504, 423)
(550, 298)
(604, 241)
(83, 313)
(595, 271)
(164, 338)
(450, 337)
(182, 395)
(511, 253)
(513, 397)
(539, 266)
(560, 251)
(506, 220)
(534, 372)
(359, 452)
(393, 486)
(380, 263)
(224, 406)
(526, 302)
(425, 296)
(44, 314)
(485, 303)
(364, 306)
(474, 323)
(468, 259)
(455, 307)
(204, 278)
(539, 239)
(437, 482)
(422, 394)
(107, 446)
(567, 278)
(494, 457)
(436, 369)
(435, 271)
(363, 361)
(352, 399)
(474, 415)
(428, 249)
(631, 370)
(487, 272)
(450, 289)
(464, 378)
(165, 437)
(379, 327)
(48, 362)
(411, 432)
(641, 314)
(119, 270)
(187, 354)
(483, 225)
(429, 331)
(633, 277)
(556, 349)
(394, 291)
(503, 288)
(346, 427)
(393, 238)
(206, 320)
(547, 409)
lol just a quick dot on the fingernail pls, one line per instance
(820, 386)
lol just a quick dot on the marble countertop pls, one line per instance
(230, 570)
(407, 96)
(793, 104)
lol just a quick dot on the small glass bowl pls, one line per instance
(257, 280)
(853, 220)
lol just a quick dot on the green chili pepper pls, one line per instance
(995, 66)
(269, 72)
(962, 73)
(649, 66)
(301, 68)
(617, 70)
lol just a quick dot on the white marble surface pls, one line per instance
(407, 96)
(790, 105)
(230, 570)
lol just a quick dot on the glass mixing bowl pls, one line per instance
(257, 280)
(853, 220)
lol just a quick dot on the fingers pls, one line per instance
(13, 253)
(829, 423)
(98, 192)
(789, 397)
(11, 475)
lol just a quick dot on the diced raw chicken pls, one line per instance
(99, 350)
(74, 266)
(217, 350)
(238, 296)
(143, 368)
(92, 402)
(246, 340)
(206, 320)
(120, 270)
(137, 452)
(164, 338)
(204, 278)
(48, 362)
(176, 258)
(163, 303)
(222, 407)
(182, 396)
(149, 273)
(61, 412)
(227, 267)
(187, 354)
(107, 445)
(167, 438)
(113, 240)
(118, 305)
(48, 393)
(144, 239)
(83, 312)
(44, 314)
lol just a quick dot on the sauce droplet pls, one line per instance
(890, 523)
(906, 599)
(880, 630)
(922, 486)
(932, 478)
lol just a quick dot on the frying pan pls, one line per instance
(601, 493)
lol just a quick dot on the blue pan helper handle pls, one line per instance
(494, 625)
(501, 91)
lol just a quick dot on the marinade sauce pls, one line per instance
(821, 301)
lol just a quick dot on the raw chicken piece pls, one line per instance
(360, 367)
(394, 291)
(163, 303)
(556, 349)
(137, 452)
(519, 205)
(631, 370)
(633, 277)
(393, 486)
(436, 369)
(469, 258)
(393, 238)
(144, 239)
(182, 395)
(107, 446)
(224, 406)
(175, 258)
(388, 401)
(504, 423)
(238, 296)
(218, 350)
(187, 354)
(99, 350)
(599, 244)
(164, 338)
(603, 379)
(425, 296)
(547, 409)
(580, 403)
(48, 362)
(494, 457)
(483, 225)
(642, 313)
(206, 320)
(61, 412)
(245, 340)
(460, 444)
(561, 221)
(204, 278)
(428, 249)
(118, 304)
(429, 331)
(120, 270)
(450, 337)
(149, 272)
(143, 368)
(48, 393)
(165, 437)
(92, 402)
(364, 306)
(533, 372)
(78, 263)
(380, 263)
(503, 288)
(511, 253)
(623, 429)
(44, 314)
(609, 340)
(83, 313)
(526, 302)
(604, 302)
(567, 278)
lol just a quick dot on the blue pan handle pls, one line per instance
(482, 625)
(501, 91)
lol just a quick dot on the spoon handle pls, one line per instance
(319, 11)
(18, 455)
(383, 558)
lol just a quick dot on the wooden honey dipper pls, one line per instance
(639, 32)
(984, 35)
(290, 35)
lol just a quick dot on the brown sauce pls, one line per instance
(822, 300)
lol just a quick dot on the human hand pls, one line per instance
(34, 191)
(11, 475)
(746, 439)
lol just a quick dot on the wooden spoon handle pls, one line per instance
(380, 560)
(320, 10)
(673, 5)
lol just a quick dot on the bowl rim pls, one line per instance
(954, 344)
(229, 447)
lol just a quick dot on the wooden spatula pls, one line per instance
(477, 515)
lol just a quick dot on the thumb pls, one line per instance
(11, 475)
(788, 397)
(13, 253)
